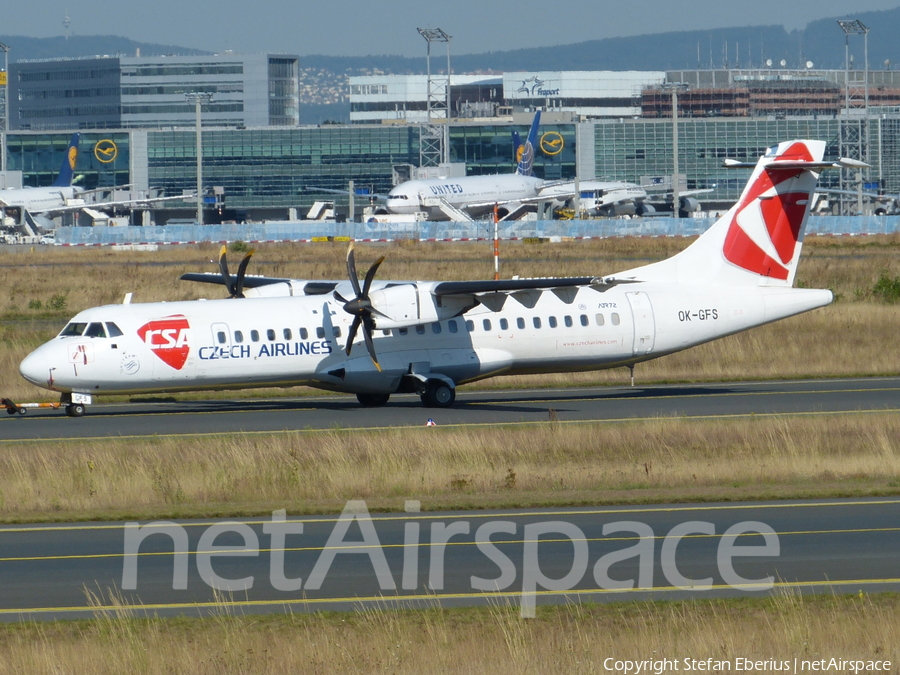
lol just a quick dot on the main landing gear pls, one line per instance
(438, 394)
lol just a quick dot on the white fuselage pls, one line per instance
(483, 191)
(218, 344)
(38, 199)
(601, 198)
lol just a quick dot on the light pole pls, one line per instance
(856, 27)
(198, 98)
(5, 84)
(674, 87)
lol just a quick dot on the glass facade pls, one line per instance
(637, 149)
(488, 149)
(275, 168)
(39, 157)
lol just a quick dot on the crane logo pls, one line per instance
(106, 151)
(169, 339)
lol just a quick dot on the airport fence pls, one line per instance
(316, 230)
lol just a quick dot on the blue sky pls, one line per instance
(359, 27)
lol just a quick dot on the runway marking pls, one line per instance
(430, 598)
(496, 542)
(473, 515)
(450, 425)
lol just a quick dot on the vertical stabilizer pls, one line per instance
(758, 241)
(67, 170)
(525, 151)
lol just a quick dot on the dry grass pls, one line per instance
(848, 338)
(573, 639)
(552, 463)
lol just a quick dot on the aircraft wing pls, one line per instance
(445, 288)
(134, 203)
(330, 191)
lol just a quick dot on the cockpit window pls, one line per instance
(404, 197)
(73, 330)
(113, 330)
(95, 330)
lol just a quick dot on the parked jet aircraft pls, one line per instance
(46, 199)
(429, 336)
(617, 198)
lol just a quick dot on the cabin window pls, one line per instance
(487, 324)
(73, 330)
(435, 328)
(520, 322)
(584, 319)
(254, 335)
(287, 334)
(420, 330)
(320, 332)
(451, 325)
(221, 338)
(552, 321)
(568, 321)
(113, 330)
(270, 333)
(504, 324)
(600, 320)
(238, 336)
(337, 331)
(614, 317)
(404, 331)
(536, 321)
(470, 326)
(304, 334)
(386, 333)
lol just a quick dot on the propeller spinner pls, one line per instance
(361, 307)
(235, 285)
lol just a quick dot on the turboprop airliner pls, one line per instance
(376, 338)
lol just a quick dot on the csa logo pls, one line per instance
(169, 339)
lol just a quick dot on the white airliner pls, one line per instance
(474, 195)
(429, 336)
(50, 198)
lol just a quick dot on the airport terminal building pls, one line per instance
(612, 127)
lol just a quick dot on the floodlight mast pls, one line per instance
(855, 27)
(5, 87)
(434, 146)
(198, 98)
(675, 87)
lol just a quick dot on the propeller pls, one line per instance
(360, 306)
(235, 286)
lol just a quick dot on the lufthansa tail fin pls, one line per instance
(67, 170)
(758, 241)
(525, 151)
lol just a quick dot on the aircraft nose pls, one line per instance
(36, 368)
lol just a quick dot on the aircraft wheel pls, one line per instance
(11, 411)
(75, 409)
(372, 400)
(438, 394)
(22, 411)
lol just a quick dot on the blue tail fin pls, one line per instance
(67, 170)
(525, 151)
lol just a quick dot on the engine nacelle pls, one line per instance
(688, 204)
(644, 209)
(405, 305)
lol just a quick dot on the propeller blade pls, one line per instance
(351, 271)
(370, 275)
(223, 270)
(370, 345)
(340, 298)
(242, 270)
(351, 335)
